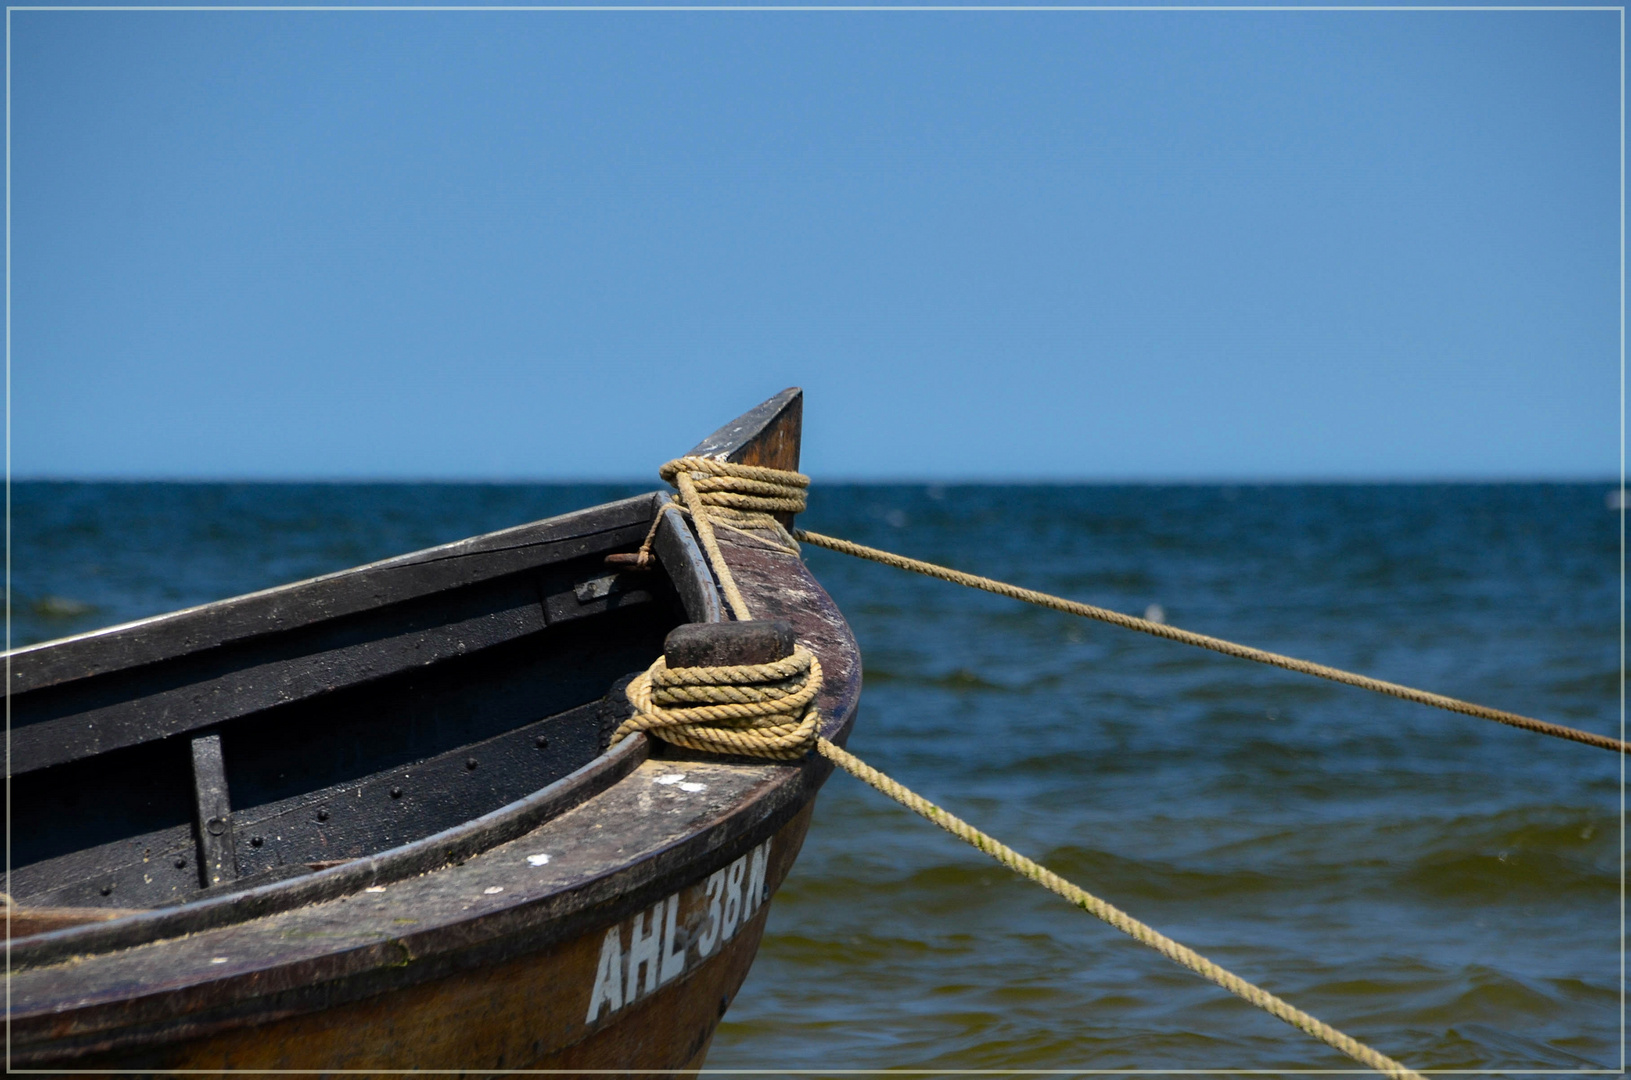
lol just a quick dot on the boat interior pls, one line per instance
(285, 732)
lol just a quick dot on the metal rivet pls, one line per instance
(107, 890)
(541, 741)
(322, 815)
(256, 841)
(470, 763)
(181, 864)
(396, 793)
(216, 826)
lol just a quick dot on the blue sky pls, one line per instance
(1066, 245)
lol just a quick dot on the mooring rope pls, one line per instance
(769, 710)
(1138, 931)
(1228, 648)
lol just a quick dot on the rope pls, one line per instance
(1228, 648)
(740, 497)
(760, 710)
(769, 711)
(1117, 918)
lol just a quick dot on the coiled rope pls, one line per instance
(760, 710)
(740, 497)
(769, 710)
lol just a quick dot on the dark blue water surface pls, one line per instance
(1444, 888)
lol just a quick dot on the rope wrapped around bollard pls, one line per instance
(759, 710)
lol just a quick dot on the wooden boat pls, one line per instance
(370, 821)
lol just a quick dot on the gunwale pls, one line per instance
(302, 603)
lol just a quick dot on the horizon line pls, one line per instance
(855, 481)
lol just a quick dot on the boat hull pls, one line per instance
(528, 1013)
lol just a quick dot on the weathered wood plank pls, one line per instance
(682, 557)
(348, 592)
(26, 922)
(217, 854)
(770, 435)
(94, 716)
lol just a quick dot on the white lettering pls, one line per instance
(711, 919)
(733, 895)
(609, 976)
(756, 879)
(660, 943)
(645, 947)
(673, 948)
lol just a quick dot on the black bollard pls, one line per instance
(725, 644)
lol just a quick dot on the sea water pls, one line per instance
(1444, 888)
